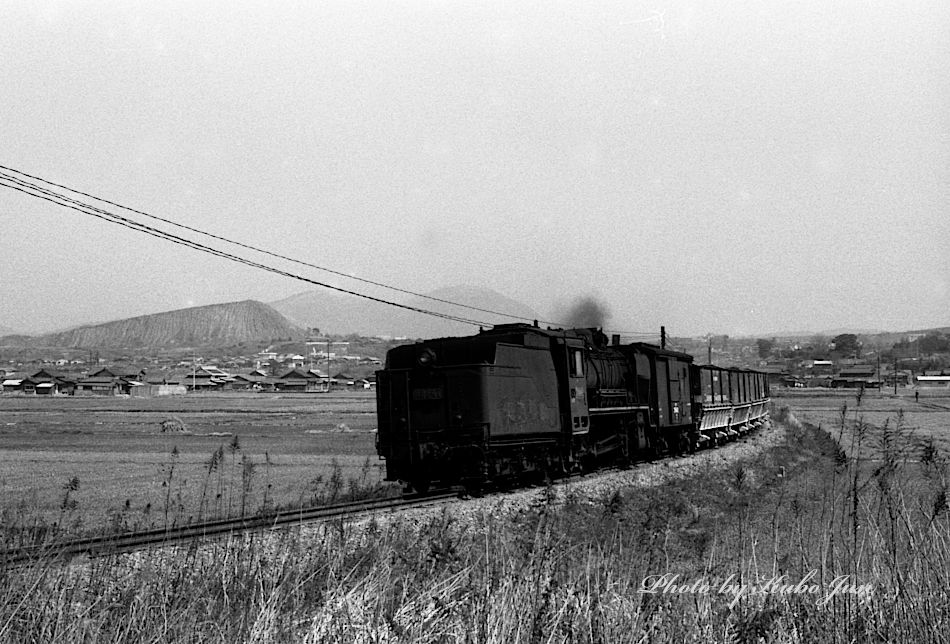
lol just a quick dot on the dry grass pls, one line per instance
(231, 485)
(123, 459)
(844, 412)
(568, 572)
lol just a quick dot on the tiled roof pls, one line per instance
(118, 372)
(297, 374)
(857, 371)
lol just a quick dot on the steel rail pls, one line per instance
(123, 542)
(128, 541)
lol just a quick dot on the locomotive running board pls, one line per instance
(616, 410)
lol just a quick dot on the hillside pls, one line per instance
(214, 324)
(942, 329)
(333, 313)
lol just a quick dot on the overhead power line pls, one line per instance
(58, 198)
(154, 232)
(271, 253)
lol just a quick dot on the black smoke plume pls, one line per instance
(587, 312)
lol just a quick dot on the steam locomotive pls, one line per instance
(518, 400)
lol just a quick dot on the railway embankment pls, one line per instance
(600, 487)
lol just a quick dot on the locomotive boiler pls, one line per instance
(518, 400)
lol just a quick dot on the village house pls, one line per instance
(205, 379)
(44, 382)
(932, 379)
(111, 381)
(10, 384)
(100, 385)
(819, 367)
(902, 378)
(856, 377)
(129, 373)
(302, 381)
(775, 372)
(242, 382)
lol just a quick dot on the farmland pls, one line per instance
(909, 422)
(85, 460)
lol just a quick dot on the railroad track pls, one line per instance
(129, 541)
(124, 542)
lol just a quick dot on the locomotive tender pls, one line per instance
(518, 399)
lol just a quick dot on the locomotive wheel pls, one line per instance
(682, 444)
(474, 489)
(626, 456)
(421, 486)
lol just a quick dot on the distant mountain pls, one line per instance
(333, 313)
(834, 332)
(15, 340)
(215, 324)
(829, 333)
(942, 329)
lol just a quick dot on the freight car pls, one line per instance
(518, 400)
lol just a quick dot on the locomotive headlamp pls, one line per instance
(426, 358)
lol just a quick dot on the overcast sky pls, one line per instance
(741, 167)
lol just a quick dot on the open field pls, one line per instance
(859, 424)
(251, 450)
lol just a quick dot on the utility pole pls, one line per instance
(895, 374)
(880, 378)
(662, 337)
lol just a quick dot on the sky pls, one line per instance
(740, 168)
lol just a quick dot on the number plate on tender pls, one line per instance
(427, 393)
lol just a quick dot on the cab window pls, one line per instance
(577, 362)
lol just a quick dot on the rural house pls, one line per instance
(10, 384)
(99, 385)
(303, 381)
(112, 381)
(856, 377)
(931, 380)
(129, 373)
(45, 382)
(204, 379)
